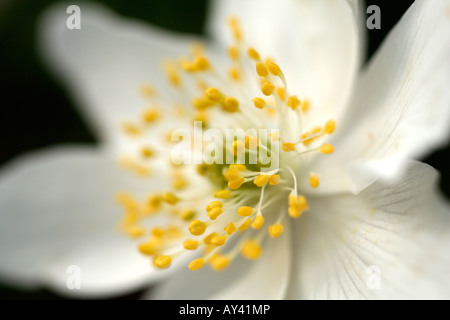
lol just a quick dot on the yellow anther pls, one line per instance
(150, 115)
(230, 104)
(179, 183)
(147, 91)
(275, 136)
(149, 248)
(245, 225)
(274, 68)
(208, 238)
(305, 105)
(201, 63)
(232, 174)
(127, 201)
(187, 214)
(214, 213)
(259, 103)
(218, 240)
(251, 250)
(202, 103)
(274, 179)
(235, 28)
(197, 227)
(330, 126)
(162, 262)
(196, 264)
(230, 228)
(237, 147)
(135, 231)
(222, 194)
(213, 94)
(281, 92)
(261, 69)
(293, 102)
(147, 152)
(131, 129)
(267, 88)
(214, 204)
(169, 198)
(258, 222)
(233, 53)
(326, 148)
(172, 74)
(202, 169)
(314, 180)
(297, 205)
(234, 73)
(157, 232)
(245, 211)
(190, 244)
(276, 230)
(154, 201)
(220, 262)
(261, 180)
(201, 116)
(288, 146)
(251, 142)
(253, 54)
(238, 167)
(235, 184)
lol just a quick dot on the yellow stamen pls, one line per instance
(281, 93)
(261, 69)
(274, 179)
(149, 248)
(196, 264)
(220, 262)
(237, 148)
(230, 228)
(197, 227)
(214, 213)
(258, 222)
(245, 225)
(259, 103)
(288, 146)
(162, 262)
(245, 211)
(253, 54)
(169, 198)
(261, 180)
(293, 102)
(187, 214)
(218, 240)
(276, 230)
(251, 250)
(147, 152)
(214, 94)
(230, 104)
(233, 53)
(190, 244)
(267, 88)
(314, 180)
(274, 68)
(326, 148)
(222, 194)
(208, 238)
(330, 126)
(251, 142)
(234, 73)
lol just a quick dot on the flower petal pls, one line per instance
(401, 108)
(57, 209)
(318, 44)
(395, 235)
(105, 63)
(266, 278)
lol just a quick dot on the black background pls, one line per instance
(36, 111)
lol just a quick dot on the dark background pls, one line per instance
(36, 111)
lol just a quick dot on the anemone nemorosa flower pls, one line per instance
(344, 213)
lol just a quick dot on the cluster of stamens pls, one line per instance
(240, 213)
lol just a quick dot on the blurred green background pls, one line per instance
(36, 111)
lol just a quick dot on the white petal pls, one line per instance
(401, 108)
(106, 62)
(266, 278)
(317, 43)
(57, 209)
(397, 233)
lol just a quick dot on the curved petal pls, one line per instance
(105, 63)
(392, 241)
(57, 209)
(264, 279)
(318, 44)
(401, 108)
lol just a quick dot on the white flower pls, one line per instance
(376, 226)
